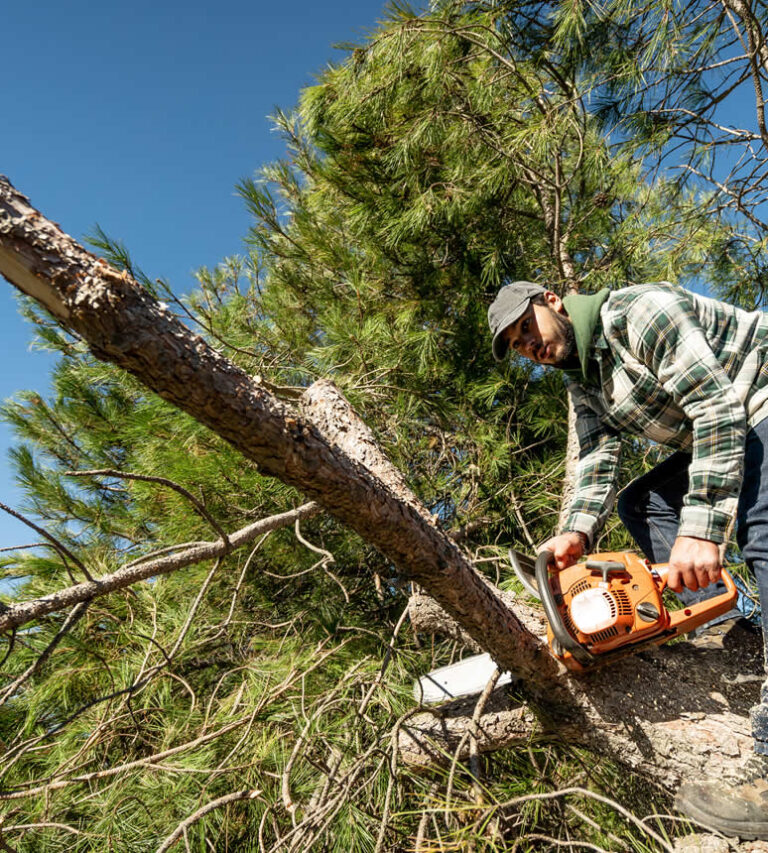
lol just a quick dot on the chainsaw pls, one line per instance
(611, 605)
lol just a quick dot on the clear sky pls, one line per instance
(142, 117)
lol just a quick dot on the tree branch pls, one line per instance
(163, 481)
(26, 611)
(126, 325)
(181, 829)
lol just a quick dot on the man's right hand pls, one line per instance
(693, 563)
(567, 548)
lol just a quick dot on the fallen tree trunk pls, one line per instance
(427, 617)
(667, 713)
(124, 324)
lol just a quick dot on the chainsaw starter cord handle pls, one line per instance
(566, 641)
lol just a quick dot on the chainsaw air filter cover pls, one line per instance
(594, 610)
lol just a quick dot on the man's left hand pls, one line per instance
(694, 563)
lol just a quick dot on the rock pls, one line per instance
(716, 844)
(701, 844)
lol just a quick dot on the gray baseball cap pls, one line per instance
(509, 305)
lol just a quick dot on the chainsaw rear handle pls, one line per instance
(693, 615)
(662, 570)
(564, 639)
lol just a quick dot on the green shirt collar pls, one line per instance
(584, 313)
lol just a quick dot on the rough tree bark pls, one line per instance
(667, 713)
(124, 324)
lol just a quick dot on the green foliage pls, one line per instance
(451, 152)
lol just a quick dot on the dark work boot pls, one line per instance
(738, 808)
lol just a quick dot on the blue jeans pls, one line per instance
(650, 508)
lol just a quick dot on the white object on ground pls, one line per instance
(463, 678)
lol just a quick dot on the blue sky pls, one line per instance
(142, 117)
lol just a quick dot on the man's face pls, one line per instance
(544, 334)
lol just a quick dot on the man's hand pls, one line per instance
(694, 563)
(566, 548)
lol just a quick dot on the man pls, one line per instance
(684, 371)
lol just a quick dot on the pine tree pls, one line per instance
(447, 154)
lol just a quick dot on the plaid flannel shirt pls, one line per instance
(684, 371)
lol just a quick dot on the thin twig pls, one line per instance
(50, 825)
(581, 845)
(162, 481)
(422, 829)
(22, 547)
(385, 663)
(564, 792)
(474, 732)
(193, 610)
(595, 825)
(74, 615)
(202, 812)
(326, 554)
(240, 580)
(58, 546)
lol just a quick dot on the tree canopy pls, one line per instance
(248, 700)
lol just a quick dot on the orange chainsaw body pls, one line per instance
(618, 597)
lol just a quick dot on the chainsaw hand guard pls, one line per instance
(560, 641)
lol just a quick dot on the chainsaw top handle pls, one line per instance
(564, 639)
